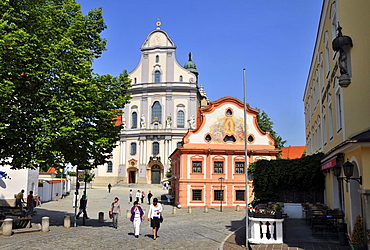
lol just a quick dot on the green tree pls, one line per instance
(53, 108)
(265, 123)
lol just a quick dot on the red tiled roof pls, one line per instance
(292, 152)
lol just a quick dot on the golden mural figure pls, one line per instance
(229, 126)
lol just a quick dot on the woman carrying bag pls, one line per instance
(137, 215)
(154, 215)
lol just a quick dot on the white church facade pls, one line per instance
(164, 104)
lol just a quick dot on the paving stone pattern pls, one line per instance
(182, 230)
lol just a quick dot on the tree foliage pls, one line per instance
(272, 177)
(54, 108)
(265, 123)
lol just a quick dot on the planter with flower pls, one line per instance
(260, 213)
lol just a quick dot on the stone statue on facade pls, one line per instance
(169, 121)
(123, 123)
(142, 121)
(191, 122)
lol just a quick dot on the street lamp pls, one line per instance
(348, 172)
(221, 196)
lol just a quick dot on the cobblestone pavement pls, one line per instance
(183, 230)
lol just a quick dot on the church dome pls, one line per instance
(190, 65)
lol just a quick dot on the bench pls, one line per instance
(19, 223)
(10, 211)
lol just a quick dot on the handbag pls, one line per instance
(161, 219)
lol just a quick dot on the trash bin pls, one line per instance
(342, 230)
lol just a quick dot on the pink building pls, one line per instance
(210, 166)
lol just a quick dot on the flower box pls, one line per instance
(256, 215)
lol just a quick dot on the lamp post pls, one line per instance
(221, 196)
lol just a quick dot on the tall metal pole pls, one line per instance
(246, 164)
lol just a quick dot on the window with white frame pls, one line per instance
(334, 20)
(218, 167)
(218, 195)
(155, 148)
(239, 167)
(330, 113)
(324, 136)
(134, 120)
(156, 112)
(321, 73)
(240, 195)
(327, 53)
(338, 108)
(196, 195)
(157, 76)
(133, 148)
(197, 166)
(180, 119)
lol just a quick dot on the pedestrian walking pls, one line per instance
(142, 197)
(115, 211)
(19, 199)
(138, 196)
(137, 215)
(154, 215)
(83, 206)
(30, 203)
(130, 196)
(109, 187)
(150, 195)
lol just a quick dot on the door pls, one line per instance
(156, 177)
(132, 177)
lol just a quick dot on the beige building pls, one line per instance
(336, 101)
(164, 104)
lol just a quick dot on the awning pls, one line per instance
(169, 179)
(328, 164)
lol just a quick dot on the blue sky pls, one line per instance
(273, 40)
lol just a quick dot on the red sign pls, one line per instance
(329, 164)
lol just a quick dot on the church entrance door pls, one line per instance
(132, 177)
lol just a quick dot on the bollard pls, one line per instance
(128, 214)
(7, 227)
(67, 221)
(174, 210)
(101, 217)
(206, 209)
(45, 224)
(237, 208)
(189, 210)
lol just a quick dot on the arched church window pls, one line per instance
(180, 119)
(157, 76)
(110, 167)
(155, 148)
(180, 79)
(133, 148)
(156, 112)
(134, 120)
(157, 59)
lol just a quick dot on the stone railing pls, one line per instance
(265, 230)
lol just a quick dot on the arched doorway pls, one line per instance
(132, 173)
(156, 174)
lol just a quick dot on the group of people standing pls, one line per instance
(138, 214)
(140, 195)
